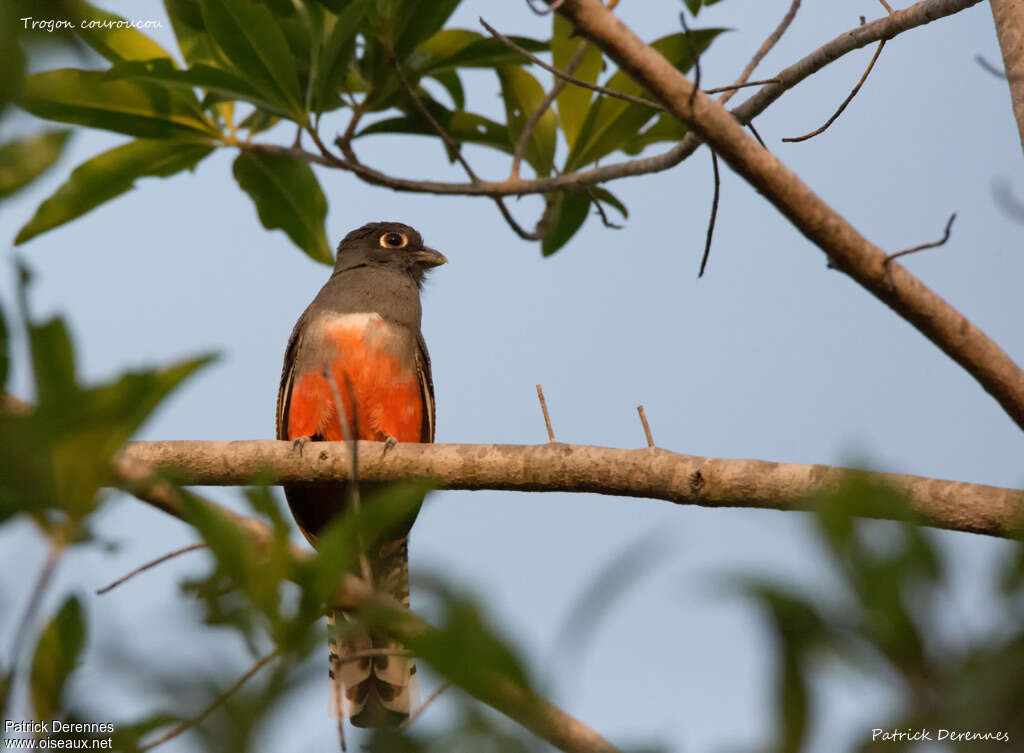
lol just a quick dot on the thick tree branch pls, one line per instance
(1009, 18)
(136, 476)
(651, 472)
(885, 28)
(845, 247)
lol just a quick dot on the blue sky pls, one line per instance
(770, 356)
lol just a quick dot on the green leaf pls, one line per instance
(258, 121)
(460, 48)
(573, 101)
(196, 45)
(522, 95)
(570, 213)
(336, 54)
(453, 85)
(137, 108)
(419, 20)
(460, 125)
(695, 5)
(108, 175)
(287, 197)
(665, 128)
(56, 655)
(606, 196)
(611, 123)
(98, 28)
(254, 43)
(24, 160)
(226, 85)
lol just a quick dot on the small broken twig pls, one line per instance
(757, 136)
(714, 214)
(149, 565)
(923, 246)
(547, 417)
(647, 426)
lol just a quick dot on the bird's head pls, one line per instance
(387, 244)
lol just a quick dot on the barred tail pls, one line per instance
(373, 691)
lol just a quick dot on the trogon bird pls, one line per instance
(360, 341)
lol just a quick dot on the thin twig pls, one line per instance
(714, 214)
(647, 427)
(765, 48)
(837, 113)
(757, 136)
(538, 113)
(923, 246)
(547, 417)
(149, 565)
(571, 79)
(744, 85)
(423, 706)
(35, 601)
(217, 702)
(696, 58)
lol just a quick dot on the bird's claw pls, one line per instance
(389, 444)
(299, 443)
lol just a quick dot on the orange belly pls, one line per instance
(387, 394)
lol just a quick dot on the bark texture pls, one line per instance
(555, 467)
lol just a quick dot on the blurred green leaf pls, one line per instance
(23, 160)
(225, 84)
(254, 43)
(196, 45)
(665, 128)
(258, 121)
(606, 587)
(386, 511)
(612, 123)
(56, 656)
(569, 215)
(522, 95)
(136, 108)
(287, 197)
(109, 175)
(95, 26)
(573, 101)
(336, 54)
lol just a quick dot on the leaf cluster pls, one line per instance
(247, 68)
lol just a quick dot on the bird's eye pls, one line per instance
(393, 240)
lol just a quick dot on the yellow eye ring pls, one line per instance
(393, 240)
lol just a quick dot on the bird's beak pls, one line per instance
(428, 257)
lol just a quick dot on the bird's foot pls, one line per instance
(299, 443)
(389, 444)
